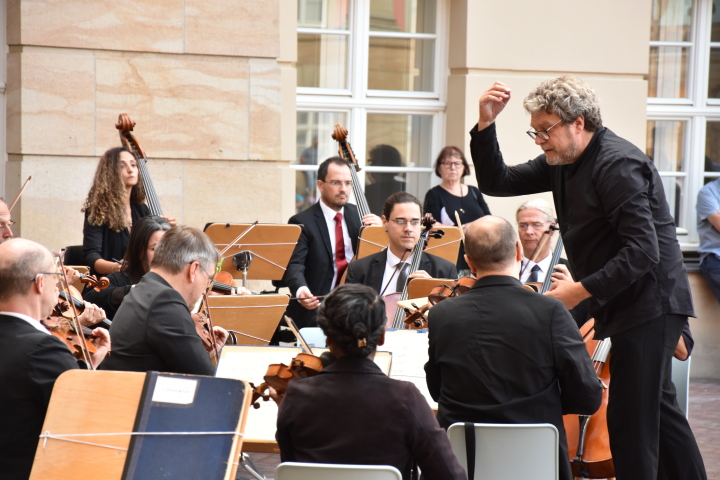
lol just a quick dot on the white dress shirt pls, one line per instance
(30, 320)
(544, 265)
(390, 275)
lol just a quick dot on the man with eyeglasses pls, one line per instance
(388, 271)
(31, 359)
(621, 244)
(153, 328)
(329, 238)
(5, 223)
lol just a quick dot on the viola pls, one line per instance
(125, 127)
(278, 375)
(587, 435)
(224, 284)
(203, 330)
(417, 318)
(63, 329)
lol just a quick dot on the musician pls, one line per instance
(153, 328)
(115, 202)
(145, 236)
(402, 215)
(621, 244)
(351, 412)
(329, 238)
(30, 358)
(502, 354)
(6, 223)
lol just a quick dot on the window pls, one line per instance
(684, 104)
(378, 68)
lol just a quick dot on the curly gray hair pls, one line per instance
(569, 97)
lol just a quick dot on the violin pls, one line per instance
(203, 330)
(125, 127)
(417, 318)
(587, 435)
(61, 328)
(395, 315)
(224, 284)
(278, 376)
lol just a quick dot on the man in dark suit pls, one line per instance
(502, 354)
(328, 241)
(153, 328)
(387, 271)
(30, 358)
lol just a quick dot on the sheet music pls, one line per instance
(410, 354)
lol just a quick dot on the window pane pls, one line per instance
(665, 143)
(409, 16)
(397, 141)
(305, 190)
(322, 60)
(671, 20)
(714, 74)
(674, 191)
(712, 147)
(715, 26)
(401, 64)
(323, 14)
(668, 72)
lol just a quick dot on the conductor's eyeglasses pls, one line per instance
(543, 134)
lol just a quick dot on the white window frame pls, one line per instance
(358, 101)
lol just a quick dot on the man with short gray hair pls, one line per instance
(621, 244)
(153, 329)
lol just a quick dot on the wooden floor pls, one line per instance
(704, 420)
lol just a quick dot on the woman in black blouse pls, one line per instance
(454, 196)
(114, 204)
(146, 233)
(351, 412)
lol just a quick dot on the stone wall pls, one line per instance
(207, 83)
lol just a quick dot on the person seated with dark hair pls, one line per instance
(382, 421)
(145, 236)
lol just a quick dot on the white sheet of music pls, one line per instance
(410, 354)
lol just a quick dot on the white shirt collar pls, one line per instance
(28, 319)
(544, 265)
(393, 260)
(328, 212)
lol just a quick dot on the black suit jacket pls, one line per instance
(153, 330)
(312, 262)
(30, 362)
(390, 424)
(502, 354)
(370, 270)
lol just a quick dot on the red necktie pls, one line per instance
(340, 259)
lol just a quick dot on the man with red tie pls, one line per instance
(328, 241)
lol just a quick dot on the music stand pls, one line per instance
(271, 247)
(374, 239)
(254, 318)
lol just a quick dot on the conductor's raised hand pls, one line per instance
(492, 102)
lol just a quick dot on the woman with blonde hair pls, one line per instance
(115, 202)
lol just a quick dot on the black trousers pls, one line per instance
(650, 437)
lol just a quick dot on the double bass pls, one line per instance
(346, 153)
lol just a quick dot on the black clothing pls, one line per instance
(110, 298)
(640, 366)
(390, 424)
(153, 330)
(502, 354)
(312, 262)
(30, 362)
(470, 207)
(100, 242)
(615, 224)
(369, 270)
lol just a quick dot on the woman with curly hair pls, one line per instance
(351, 412)
(114, 204)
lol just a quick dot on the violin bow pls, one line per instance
(459, 224)
(75, 320)
(17, 197)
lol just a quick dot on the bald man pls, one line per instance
(474, 370)
(5, 223)
(30, 358)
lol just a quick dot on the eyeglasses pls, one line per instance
(453, 164)
(57, 280)
(211, 277)
(337, 183)
(403, 221)
(534, 226)
(543, 134)
(5, 225)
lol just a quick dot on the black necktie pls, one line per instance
(534, 274)
(404, 268)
